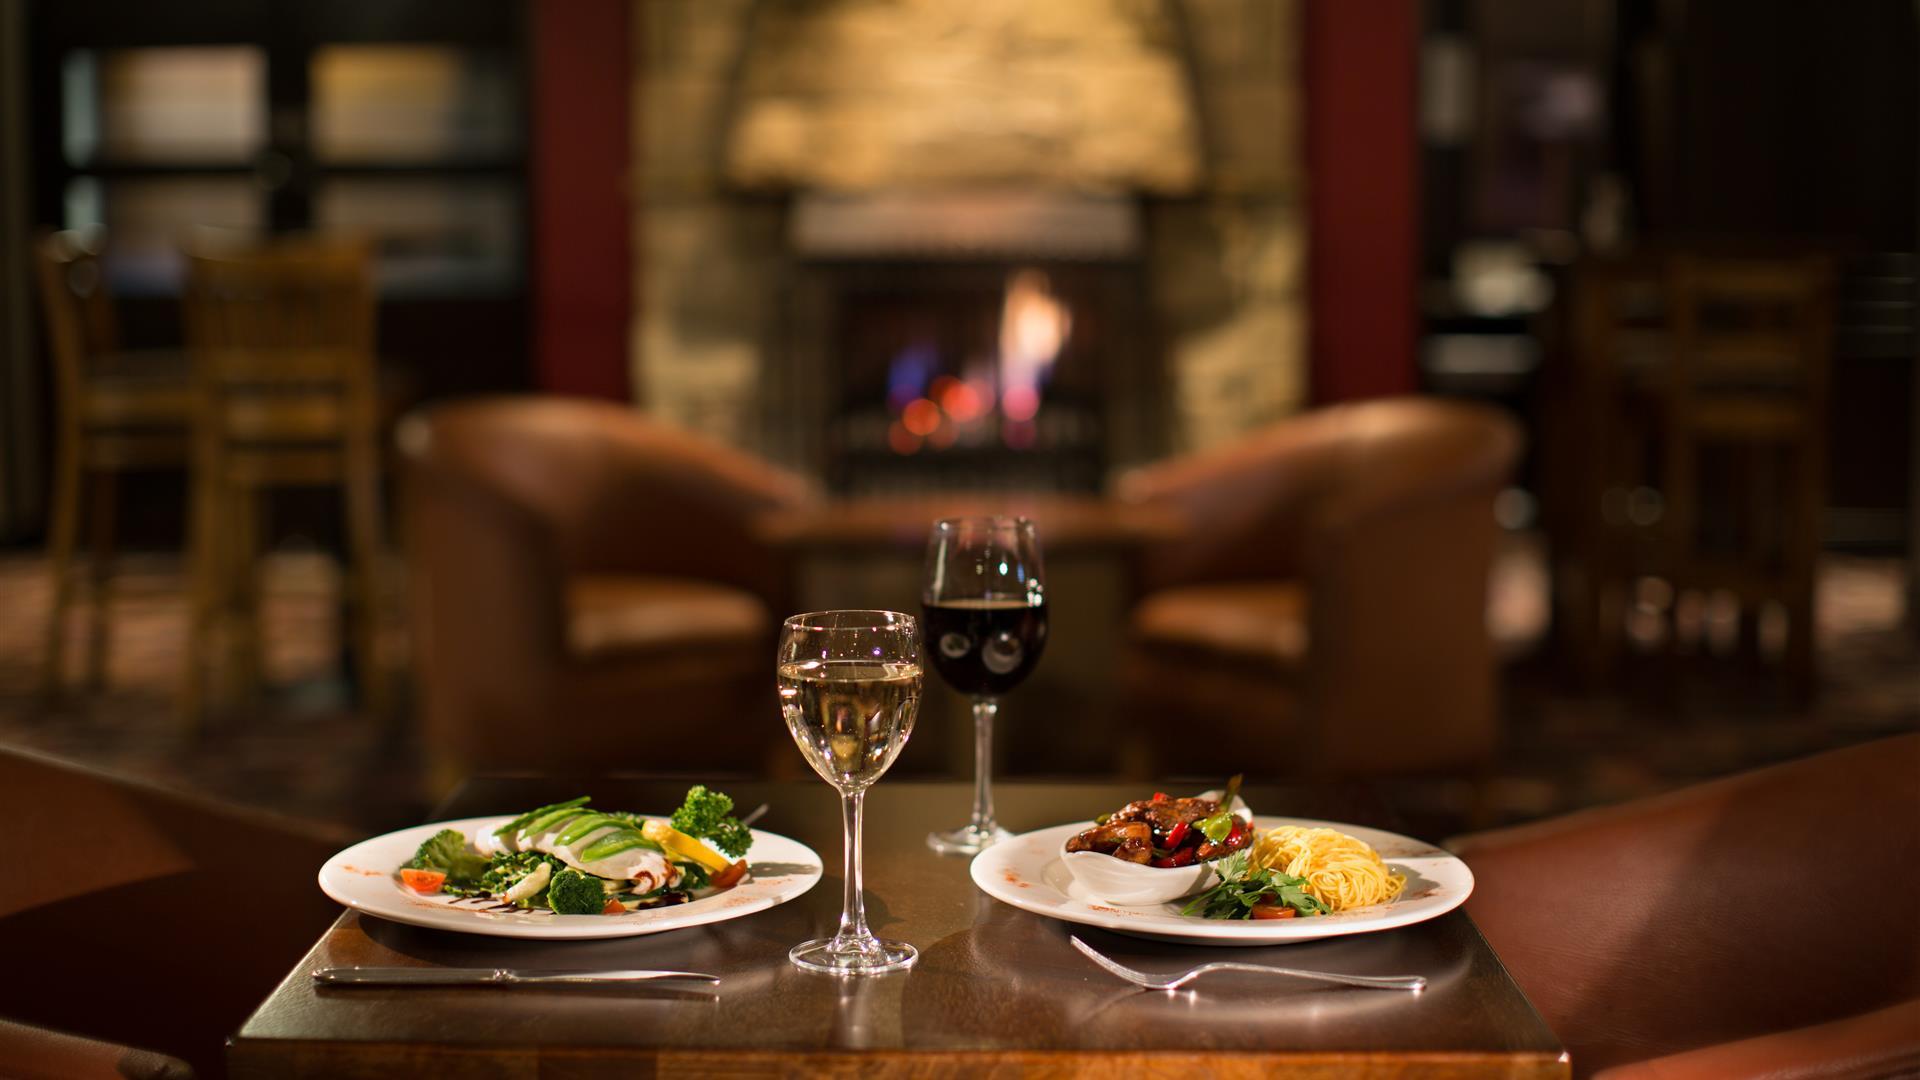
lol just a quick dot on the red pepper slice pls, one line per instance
(1239, 830)
(1177, 834)
(728, 878)
(1183, 857)
(1159, 796)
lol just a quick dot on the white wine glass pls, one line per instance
(984, 601)
(850, 691)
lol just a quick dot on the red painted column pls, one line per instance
(582, 219)
(1363, 201)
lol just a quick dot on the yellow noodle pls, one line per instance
(1340, 871)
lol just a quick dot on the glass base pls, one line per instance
(871, 957)
(966, 840)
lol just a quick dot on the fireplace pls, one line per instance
(980, 342)
(918, 245)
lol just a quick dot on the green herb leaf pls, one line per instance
(1241, 887)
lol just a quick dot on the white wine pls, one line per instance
(850, 717)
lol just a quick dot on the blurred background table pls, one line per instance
(995, 987)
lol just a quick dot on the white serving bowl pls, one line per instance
(1118, 881)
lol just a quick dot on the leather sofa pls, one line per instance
(1327, 612)
(141, 926)
(1761, 925)
(589, 592)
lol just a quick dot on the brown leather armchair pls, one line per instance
(1327, 614)
(133, 916)
(1764, 924)
(589, 590)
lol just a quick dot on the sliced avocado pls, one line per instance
(520, 822)
(583, 825)
(541, 825)
(615, 843)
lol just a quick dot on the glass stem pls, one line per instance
(853, 905)
(984, 709)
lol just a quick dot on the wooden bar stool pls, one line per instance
(1602, 451)
(116, 411)
(282, 338)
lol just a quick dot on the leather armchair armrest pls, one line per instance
(36, 1053)
(1693, 918)
(1884, 1043)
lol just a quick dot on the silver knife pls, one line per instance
(439, 976)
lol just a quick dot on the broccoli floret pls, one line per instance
(574, 893)
(708, 815)
(446, 851)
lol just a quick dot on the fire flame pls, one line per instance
(936, 412)
(1033, 328)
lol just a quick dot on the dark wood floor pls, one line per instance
(303, 749)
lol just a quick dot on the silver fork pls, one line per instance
(1415, 983)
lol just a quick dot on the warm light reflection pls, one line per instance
(963, 403)
(1018, 434)
(921, 417)
(1020, 402)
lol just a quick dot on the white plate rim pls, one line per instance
(1029, 890)
(364, 877)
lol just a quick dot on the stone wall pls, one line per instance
(1228, 265)
(1225, 233)
(864, 95)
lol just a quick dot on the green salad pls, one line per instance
(570, 859)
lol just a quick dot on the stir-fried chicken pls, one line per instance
(1128, 840)
(1164, 814)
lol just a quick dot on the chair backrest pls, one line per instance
(613, 491)
(77, 305)
(1264, 502)
(1752, 347)
(1744, 326)
(282, 338)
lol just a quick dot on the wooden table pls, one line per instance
(996, 989)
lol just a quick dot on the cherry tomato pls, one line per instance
(423, 881)
(614, 907)
(728, 878)
(1267, 909)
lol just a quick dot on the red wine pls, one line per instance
(985, 646)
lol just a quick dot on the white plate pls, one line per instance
(1026, 872)
(366, 877)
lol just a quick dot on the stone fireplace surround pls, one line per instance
(754, 116)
